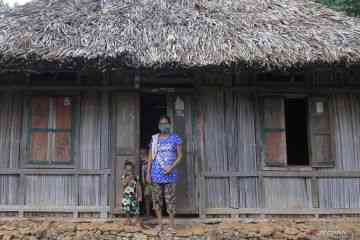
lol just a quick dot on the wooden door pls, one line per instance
(125, 139)
(274, 131)
(181, 109)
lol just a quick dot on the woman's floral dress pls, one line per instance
(130, 204)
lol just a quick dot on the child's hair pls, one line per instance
(128, 163)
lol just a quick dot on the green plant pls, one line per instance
(352, 7)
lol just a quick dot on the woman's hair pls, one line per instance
(165, 117)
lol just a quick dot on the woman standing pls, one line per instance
(165, 155)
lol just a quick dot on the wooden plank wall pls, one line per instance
(229, 147)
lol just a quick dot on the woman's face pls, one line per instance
(164, 126)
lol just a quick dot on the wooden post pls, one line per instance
(259, 162)
(202, 197)
(22, 193)
(315, 192)
(201, 179)
(104, 195)
(76, 192)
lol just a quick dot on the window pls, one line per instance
(296, 132)
(51, 129)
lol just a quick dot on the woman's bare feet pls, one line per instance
(158, 228)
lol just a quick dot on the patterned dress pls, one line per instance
(130, 204)
(167, 152)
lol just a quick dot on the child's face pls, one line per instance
(128, 169)
(143, 154)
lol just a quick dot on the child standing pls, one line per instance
(132, 193)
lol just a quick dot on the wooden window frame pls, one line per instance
(287, 167)
(27, 161)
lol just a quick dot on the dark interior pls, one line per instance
(152, 107)
(296, 131)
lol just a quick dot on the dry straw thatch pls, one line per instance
(186, 33)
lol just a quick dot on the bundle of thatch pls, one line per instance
(186, 33)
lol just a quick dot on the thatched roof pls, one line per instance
(186, 33)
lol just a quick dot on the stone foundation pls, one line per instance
(47, 229)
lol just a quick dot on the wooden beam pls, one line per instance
(284, 174)
(95, 88)
(17, 208)
(304, 211)
(271, 89)
(229, 174)
(55, 171)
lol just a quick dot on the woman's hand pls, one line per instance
(148, 178)
(168, 169)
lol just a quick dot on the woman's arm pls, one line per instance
(179, 155)
(139, 192)
(178, 159)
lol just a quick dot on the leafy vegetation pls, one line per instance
(352, 7)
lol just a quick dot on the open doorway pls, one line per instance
(296, 131)
(152, 108)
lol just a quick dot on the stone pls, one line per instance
(132, 229)
(198, 230)
(184, 232)
(150, 232)
(291, 231)
(85, 227)
(66, 227)
(266, 231)
(9, 236)
(139, 236)
(110, 227)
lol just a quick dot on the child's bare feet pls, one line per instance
(127, 222)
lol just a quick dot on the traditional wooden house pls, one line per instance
(265, 93)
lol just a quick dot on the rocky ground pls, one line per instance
(234, 229)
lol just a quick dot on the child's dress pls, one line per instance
(130, 204)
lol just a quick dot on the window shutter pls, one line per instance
(63, 125)
(51, 128)
(321, 149)
(274, 131)
(40, 108)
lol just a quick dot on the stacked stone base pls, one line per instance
(43, 229)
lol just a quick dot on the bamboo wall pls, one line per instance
(344, 192)
(232, 179)
(229, 147)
